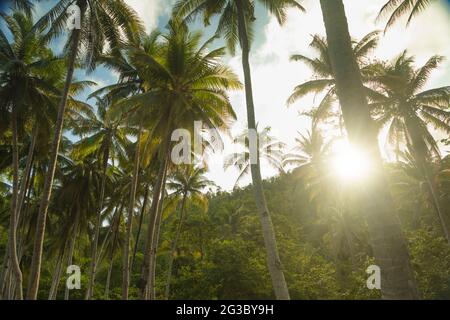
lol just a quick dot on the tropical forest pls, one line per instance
(224, 150)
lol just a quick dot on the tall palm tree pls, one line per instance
(235, 24)
(22, 85)
(101, 22)
(182, 83)
(129, 84)
(388, 243)
(400, 8)
(269, 148)
(80, 180)
(323, 82)
(105, 139)
(400, 104)
(188, 185)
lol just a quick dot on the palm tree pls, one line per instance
(81, 179)
(269, 148)
(23, 84)
(188, 185)
(400, 8)
(129, 84)
(235, 24)
(310, 158)
(177, 95)
(101, 22)
(388, 243)
(310, 149)
(321, 66)
(400, 103)
(105, 139)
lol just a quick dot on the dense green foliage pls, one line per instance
(141, 226)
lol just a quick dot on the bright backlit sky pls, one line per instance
(274, 76)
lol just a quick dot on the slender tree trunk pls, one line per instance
(72, 247)
(421, 156)
(111, 259)
(126, 250)
(12, 240)
(25, 183)
(437, 206)
(108, 277)
(56, 277)
(3, 274)
(388, 243)
(174, 248)
(152, 278)
(141, 219)
(35, 269)
(69, 263)
(273, 260)
(116, 216)
(98, 222)
(157, 190)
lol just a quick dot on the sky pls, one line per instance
(274, 76)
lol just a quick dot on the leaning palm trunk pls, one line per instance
(126, 249)
(385, 235)
(420, 155)
(3, 275)
(174, 249)
(25, 183)
(69, 263)
(437, 206)
(35, 269)
(98, 222)
(152, 278)
(12, 240)
(71, 252)
(273, 259)
(108, 277)
(141, 219)
(111, 258)
(157, 191)
(115, 227)
(56, 277)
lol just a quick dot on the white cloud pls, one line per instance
(151, 10)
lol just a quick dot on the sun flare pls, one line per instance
(350, 164)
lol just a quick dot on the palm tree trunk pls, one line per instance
(152, 277)
(72, 247)
(108, 277)
(126, 250)
(174, 248)
(111, 259)
(4, 272)
(437, 206)
(12, 240)
(56, 277)
(69, 263)
(157, 190)
(25, 183)
(141, 219)
(35, 269)
(273, 260)
(421, 156)
(98, 222)
(386, 237)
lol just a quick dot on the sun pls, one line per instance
(349, 163)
